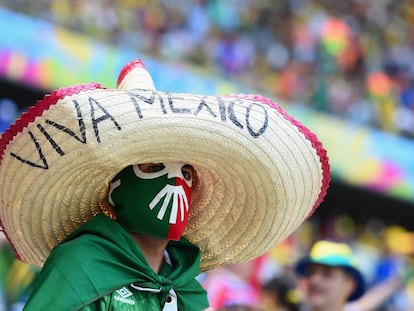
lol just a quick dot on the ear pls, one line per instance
(350, 285)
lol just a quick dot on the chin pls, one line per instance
(316, 299)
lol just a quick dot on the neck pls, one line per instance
(153, 249)
(338, 307)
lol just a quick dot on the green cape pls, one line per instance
(101, 257)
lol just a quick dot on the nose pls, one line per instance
(315, 276)
(174, 170)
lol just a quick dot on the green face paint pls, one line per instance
(155, 203)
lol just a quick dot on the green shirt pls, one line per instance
(128, 299)
(99, 258)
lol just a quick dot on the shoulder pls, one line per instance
(76, 248)
(351, 307)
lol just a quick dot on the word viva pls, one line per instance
(95, 115)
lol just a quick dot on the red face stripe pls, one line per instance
(176, 230)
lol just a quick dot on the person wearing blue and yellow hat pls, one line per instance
(332, 281)
(331, 265)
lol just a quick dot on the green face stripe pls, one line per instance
(136, 204)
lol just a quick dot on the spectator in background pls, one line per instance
(19, 280)
(397, 250)
(331, 281)
(231, 284)
(280, 294)
(331, 277)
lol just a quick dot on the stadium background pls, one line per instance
(345, 69)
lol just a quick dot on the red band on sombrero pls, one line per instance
(309, 135)
(259, 172)
(36, 111)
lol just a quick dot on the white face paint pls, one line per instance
(172, 169)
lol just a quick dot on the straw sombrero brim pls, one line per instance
(260, 173)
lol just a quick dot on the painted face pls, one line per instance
(153, 198)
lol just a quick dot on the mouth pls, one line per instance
(315, 291)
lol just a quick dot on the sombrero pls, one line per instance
(260, 173)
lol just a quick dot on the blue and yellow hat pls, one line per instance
(334, 254)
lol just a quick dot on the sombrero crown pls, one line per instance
(260, 173)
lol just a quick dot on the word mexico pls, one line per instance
(94, 112)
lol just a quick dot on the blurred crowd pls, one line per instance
(383, 252)
(349, 58)
(353, 59)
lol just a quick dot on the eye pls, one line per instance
(187, 171)
(151, 167)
